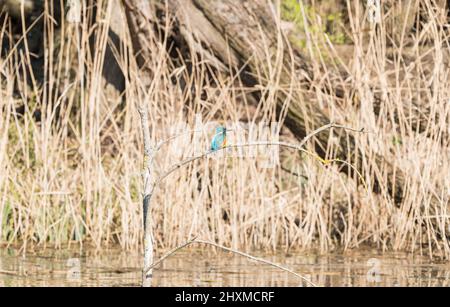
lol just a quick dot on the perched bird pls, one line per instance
(220, 139)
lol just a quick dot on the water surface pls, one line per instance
(196, 268)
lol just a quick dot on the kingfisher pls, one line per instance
(220, 139)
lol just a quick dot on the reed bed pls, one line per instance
(72, 178)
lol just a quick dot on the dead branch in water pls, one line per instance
(261, 260)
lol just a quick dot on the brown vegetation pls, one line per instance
(74, 175)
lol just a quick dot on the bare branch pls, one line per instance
(173, 251)
(174, 137)
(258, 260)
(195, 241)
(298, 147)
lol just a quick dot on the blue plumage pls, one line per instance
(220, 139)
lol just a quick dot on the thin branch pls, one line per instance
(326, 127)
(173, 251)
(195, 241)
(298, 147)
(174, 137)
(258, 260)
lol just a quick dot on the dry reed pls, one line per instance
(73, 178)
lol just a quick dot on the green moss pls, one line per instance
(291, 10)
(332, 23)
(396, 140)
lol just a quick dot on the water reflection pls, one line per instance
(195, 268)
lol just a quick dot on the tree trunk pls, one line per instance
(139, 16)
